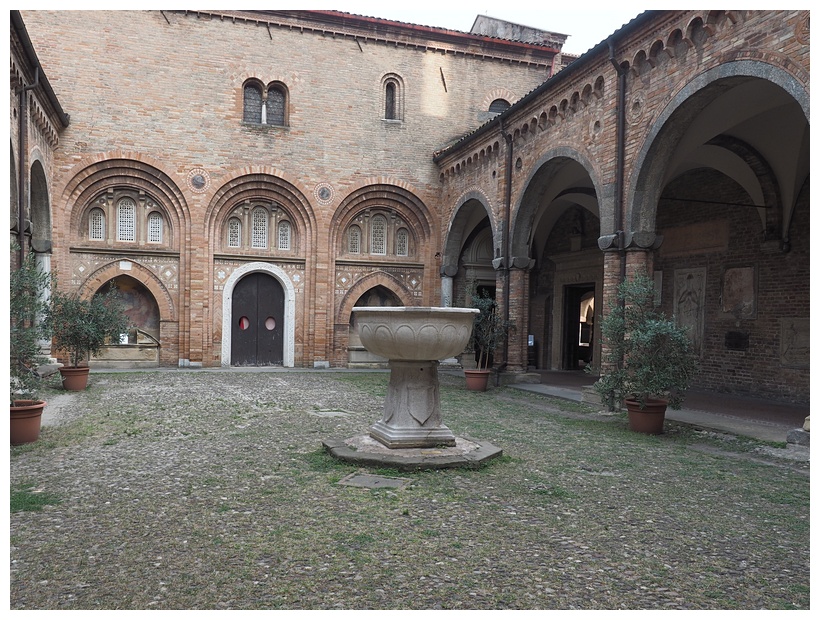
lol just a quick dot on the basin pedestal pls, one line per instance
(413, 339)
(412, 412)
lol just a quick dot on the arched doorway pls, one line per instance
(257, 328)
(140, 347)
(288, 316)
(357, 355)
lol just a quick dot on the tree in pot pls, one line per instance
(80, 328)
(26, 310)
(489, 330)
(648, 359)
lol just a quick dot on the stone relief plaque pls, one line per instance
(794, 342)
(690, 302)
(739, 296)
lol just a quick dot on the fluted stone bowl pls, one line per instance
(413, 333)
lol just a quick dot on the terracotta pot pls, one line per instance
(75, 378)
(25, 421)
(477, 379)
(648, 420)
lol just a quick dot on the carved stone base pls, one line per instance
(412, 411)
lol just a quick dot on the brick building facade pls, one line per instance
(319, 160)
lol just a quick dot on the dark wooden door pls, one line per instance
(258, 321)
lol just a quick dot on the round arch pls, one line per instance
(379, 278)
(143, 275)
(473, 206)
(672, 132)
(290, 309)
(557, 173)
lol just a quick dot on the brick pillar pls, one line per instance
(519, 317)
(609, 294)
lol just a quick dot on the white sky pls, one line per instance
(586, 27)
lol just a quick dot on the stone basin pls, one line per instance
(414, 333)
(413, 339)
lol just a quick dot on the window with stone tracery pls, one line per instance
(96, 225)
(154, 227)
(402, 242)
(259, 228)
(284, 235)
(234, 232)
(354, 240)
(378, 235)
(126, 220)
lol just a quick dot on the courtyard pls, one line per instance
(210, 489)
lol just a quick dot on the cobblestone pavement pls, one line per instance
(210, 490)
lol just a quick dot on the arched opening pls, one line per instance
(358, 356)
(140, 346)
(723, 190)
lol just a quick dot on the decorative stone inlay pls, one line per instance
(323, 192)
(199, 180)
(636, 108)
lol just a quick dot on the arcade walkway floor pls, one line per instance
(750, 417)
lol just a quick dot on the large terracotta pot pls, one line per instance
(477, 379)
(648, 420)
(25, 421)
(75, 378)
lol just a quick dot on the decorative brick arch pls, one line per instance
(146, 277)
(290, 309)
(379, 278)
(124, 169)
(455, 228)
(262, 183)
(387, 193)
(537, 182)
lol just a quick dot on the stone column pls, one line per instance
(446, 291)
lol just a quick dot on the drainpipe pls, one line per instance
(22, 192)
(505, 244)
(620, 147)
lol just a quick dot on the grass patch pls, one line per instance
(26, 499)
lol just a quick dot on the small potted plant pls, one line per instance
(489, 330)
(26, 310)
(80, 327)
(649, 361)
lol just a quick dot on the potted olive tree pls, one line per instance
(649, 361)
(26, 310)
(80, 327)
(489, 330)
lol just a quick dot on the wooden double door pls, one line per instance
(257, 314)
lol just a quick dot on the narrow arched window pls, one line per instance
(252, 104)
(96, 225)
(392, 97)
(402, 242)
(284, 235)
(354, 240)
(126, 220)
(390, 101)
(259, 228)
(378, 235)
(234, 232)
(275, 106)
(154, 227)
